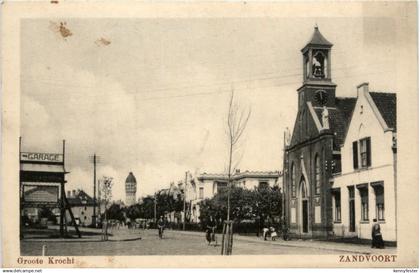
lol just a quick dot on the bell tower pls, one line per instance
(317, 86)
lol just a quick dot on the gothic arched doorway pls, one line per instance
(304, 206)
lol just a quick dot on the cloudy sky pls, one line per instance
(153, 98)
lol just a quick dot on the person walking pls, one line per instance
(161, 226)
(377, 240)
(211, 230)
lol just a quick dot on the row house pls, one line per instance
(365, 189)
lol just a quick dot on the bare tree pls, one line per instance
(237, 121)
(106, 189)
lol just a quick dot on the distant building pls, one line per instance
(82, 207)
(130, 189)
(206, 186)
(176, 191)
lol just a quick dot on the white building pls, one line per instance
(366, 187)
(206, 186)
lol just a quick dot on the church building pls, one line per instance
(313, 154)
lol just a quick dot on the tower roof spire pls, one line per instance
(317, 39)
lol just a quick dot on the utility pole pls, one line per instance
(94, 190)
(94, 160)
(285, 206)
(155, 203)
(185, 197)
(99, 198)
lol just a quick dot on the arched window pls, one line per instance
(317, 175)
(293, 180)
(300, 124)
(319, 62)
(303, 190)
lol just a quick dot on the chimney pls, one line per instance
(362, 88)
(74, 193)
(68, 194)
(238, 171)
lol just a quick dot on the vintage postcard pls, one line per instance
(217, 134)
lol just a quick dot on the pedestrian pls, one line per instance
(377, 240)
(161, 226)
(266, 227)
(210, 230)
(273, 234)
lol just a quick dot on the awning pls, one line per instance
(50, 168)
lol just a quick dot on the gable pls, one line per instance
(305, 126)
(366, 121)
(339, 119)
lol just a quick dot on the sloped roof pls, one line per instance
(318, 39)
(130, 178)
(81, 199)
(339, 118)
(387, 106)
(346, 106)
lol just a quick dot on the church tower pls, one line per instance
(312, 156)
(317, 86)
(130, 189)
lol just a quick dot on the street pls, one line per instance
(180, 243)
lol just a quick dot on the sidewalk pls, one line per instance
(91, 235)
(314, 244)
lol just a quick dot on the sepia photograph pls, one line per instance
(212, 134)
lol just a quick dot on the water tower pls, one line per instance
(130, 189)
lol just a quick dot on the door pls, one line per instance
(352, 227)
(305, 216)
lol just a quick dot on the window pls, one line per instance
(362, 151)
(303, 191)
(351, 192)
(365, 203)
(307, 66)
(201, 193)
(304, 125)
(317, 175)
(263, 184)
(337, 206)
(352, 213)
(293, 180)
(301, 124)
(221, 186)
(380, 208)
(318, 65)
